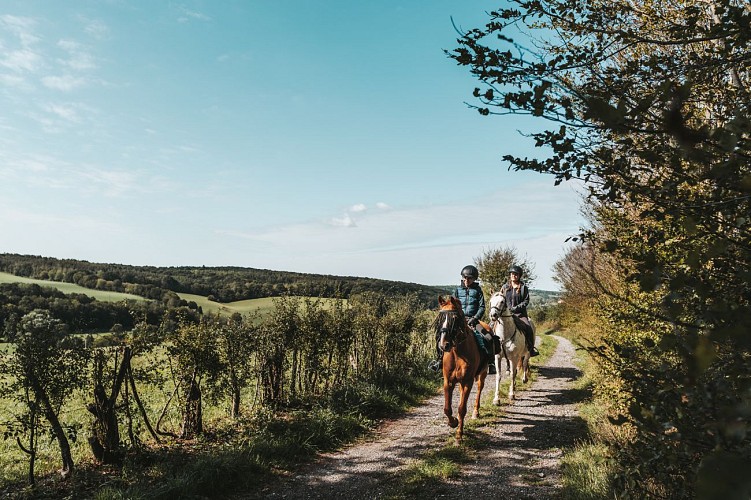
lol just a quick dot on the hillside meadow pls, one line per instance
(262, 305)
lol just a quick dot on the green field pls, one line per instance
(71, 288)
(264, 304)
(241, 306)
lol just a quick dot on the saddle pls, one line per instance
(523, 327)
(486, 331)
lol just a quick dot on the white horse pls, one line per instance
(512, 342)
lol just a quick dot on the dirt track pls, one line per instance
(520, 459)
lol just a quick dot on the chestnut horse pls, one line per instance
(513, 344)
(462, 361)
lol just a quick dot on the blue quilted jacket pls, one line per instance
(472, 299)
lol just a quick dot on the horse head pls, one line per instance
(497, 306)
(450, 321)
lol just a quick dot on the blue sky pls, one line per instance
(326, 137)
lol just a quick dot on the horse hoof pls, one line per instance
(475, 414)
(497, 402)
(453, 422)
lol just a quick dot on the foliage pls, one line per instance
(225, 284)
(494, 264)
(649, 107)
(339, 367)
(80, 312)
(44, 368)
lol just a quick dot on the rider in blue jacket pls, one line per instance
(472, 299)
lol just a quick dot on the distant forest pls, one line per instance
(221, 284)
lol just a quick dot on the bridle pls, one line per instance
(507, 314)
(446, 326)
(505, 309)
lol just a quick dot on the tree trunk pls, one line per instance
(31, 450)
(192, 417)
(140, 406)
(57, 430)
(235, 385)
(105, 433)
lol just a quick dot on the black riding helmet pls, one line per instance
(517, 270)
(470, 272)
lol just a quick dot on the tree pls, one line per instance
(46, 366)
(494, 264)
(649, 105)
(235, 343)
(194, 349)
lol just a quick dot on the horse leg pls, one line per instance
(448, 393)
(480, 384)
(461, 411)
(525, 369)
(496, 396)
(512, 383)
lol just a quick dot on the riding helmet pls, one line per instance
(517, 270)
(470, 272)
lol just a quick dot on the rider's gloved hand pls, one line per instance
(472, 322)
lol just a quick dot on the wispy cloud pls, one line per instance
(64, 83)
(18, 50)
(344, 221)
(79, 58)
(422, 233)
(187, 15)
(95, 28)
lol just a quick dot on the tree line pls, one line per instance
(647, 105)
(222, 284)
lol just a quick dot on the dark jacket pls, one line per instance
(517, 301)
(472, 299)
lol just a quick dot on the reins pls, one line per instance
(451, 317)
(509, 315)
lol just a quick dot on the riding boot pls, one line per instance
(491, 358)
(532, 351)
(437, 363)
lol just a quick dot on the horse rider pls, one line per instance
(472, 299)
(517, 300)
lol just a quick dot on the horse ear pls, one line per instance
(440, 300)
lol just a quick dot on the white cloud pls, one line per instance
(78, 58)
(423, 243)
(24, 60)
(188, 15)
(67, 112)
(22, 57)
(382, 206)
(96, 28)
(22, 27)
(64, 83)
(344, 221)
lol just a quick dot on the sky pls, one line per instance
(328, 137)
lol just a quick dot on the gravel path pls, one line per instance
(520, 457)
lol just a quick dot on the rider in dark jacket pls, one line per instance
(517, 299)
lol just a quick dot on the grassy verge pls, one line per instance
(588, 468)
(235, 455)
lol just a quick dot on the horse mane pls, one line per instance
(443, 313)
